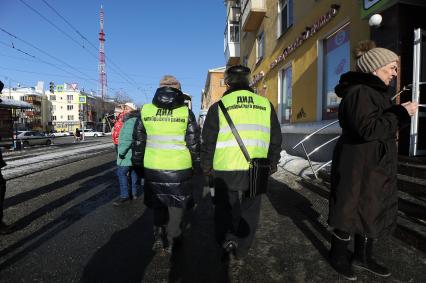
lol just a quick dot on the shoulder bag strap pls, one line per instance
(234, 131)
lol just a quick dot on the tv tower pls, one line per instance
(102, 86)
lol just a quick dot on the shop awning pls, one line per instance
(14, 104)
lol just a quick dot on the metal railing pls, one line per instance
(305, 139)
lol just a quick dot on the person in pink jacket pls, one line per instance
(129, 106)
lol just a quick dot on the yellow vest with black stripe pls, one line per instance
(166, 147)
(251, 115)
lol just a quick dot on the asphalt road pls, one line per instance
(67, 230)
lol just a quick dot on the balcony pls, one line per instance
(232, 43)
(253, 13)
(234, 13)
(232, 53)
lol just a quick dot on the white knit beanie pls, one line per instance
(374, 59)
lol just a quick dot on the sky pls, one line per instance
(57, 41)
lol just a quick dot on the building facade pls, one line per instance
(36, 118)
(297, 51)
(213, 90)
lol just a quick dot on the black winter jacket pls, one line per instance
(233, 180)
(169, 187)
(363, 197)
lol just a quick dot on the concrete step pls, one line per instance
(412, 166)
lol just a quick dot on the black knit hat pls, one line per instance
(237, 75)
(1, 86)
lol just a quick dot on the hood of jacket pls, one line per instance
(351, 79)
(168, 97)
(131, 114)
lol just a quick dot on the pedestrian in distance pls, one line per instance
(236, 213)
(77, 135)
(4, 229)
(126, 170)
(168, 139)
(363, 198)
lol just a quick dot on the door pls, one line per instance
(418, 121)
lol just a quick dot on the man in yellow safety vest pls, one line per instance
(236, 215)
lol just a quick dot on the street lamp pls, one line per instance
(375, 20)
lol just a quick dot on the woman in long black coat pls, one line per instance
(363, 199)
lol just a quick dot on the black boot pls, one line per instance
(339, 255)
(363, 257)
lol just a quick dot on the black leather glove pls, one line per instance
(121, 156)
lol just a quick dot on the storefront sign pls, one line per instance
(308, 33)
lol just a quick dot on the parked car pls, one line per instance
(29, 138)
(92, 133)
(60, 134)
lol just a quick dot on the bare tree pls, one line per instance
(121, 96)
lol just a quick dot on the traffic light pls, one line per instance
(52, 87)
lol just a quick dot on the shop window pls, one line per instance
(336, 61)
(285, 16)
(260, 46)
(286, 95)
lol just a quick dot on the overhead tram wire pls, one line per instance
(47, 63)
(58, 28)
(118, 71)
(44, 52)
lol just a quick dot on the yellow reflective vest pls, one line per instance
(166, 147)
(251, 115)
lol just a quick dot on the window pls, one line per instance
(70, 98)
(70, 117)
(234, 32)
(53, 118)
(285, 16)
(222, 82)
(336, 61)
(286, 95)
(53, 107)
(70, 107)
(53, 97)
(260, 46)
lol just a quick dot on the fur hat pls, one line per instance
(237, 75)
(370, 58)
(130, 105)
(170, 81)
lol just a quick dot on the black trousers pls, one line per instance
(2, 194)
(171, 218)
(236, 218)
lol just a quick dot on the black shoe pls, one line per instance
(121, 201)
(339, 257)
(372, 266)
(363, 257)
